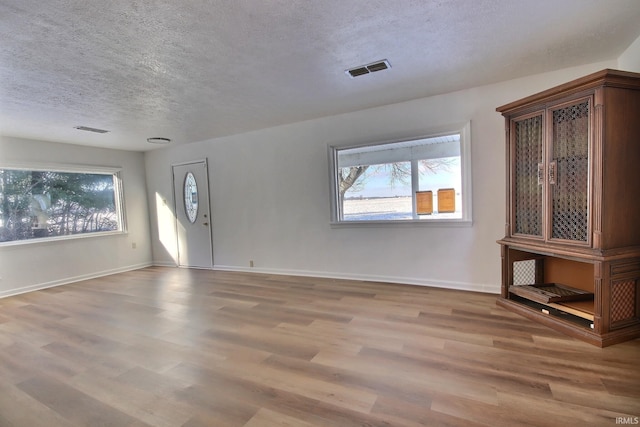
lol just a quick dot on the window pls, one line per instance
(45, 203)
(425, 179)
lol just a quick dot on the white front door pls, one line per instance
(193, 217)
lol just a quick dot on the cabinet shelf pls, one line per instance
(550, 292)
(572, 317)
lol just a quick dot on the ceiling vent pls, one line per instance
(369, 68)
(88, 129)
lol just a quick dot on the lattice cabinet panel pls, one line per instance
(527, 185)
(524, 272)
(569, 172)
(624, 301)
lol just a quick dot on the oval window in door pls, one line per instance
(190, 197)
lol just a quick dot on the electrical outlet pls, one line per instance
(134, 245)
(251, 263)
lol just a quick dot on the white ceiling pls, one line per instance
(199, 69)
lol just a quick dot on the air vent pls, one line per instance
(369, 68)
(355, 72)
(88, 129)
(378, 66)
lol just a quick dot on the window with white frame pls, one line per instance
(426, 179)
(47, 203)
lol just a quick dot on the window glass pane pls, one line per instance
(420, 179)
(44, 204)
(382, 192)
(443, 177)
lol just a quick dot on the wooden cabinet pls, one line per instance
(573, 207)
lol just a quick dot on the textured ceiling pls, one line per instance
(199, 69)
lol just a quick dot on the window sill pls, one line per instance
(403, 223)
(46, 240)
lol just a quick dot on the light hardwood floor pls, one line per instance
(178, 347)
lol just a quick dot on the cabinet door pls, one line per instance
(568, 171)
(527, 175)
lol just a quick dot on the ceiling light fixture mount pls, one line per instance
(158, 140)
(368, 68)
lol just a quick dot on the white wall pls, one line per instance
(36, 265)
(270, 194)
(630, 58)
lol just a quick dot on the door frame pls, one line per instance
(176, 206)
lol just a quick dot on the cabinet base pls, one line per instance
(570, 328)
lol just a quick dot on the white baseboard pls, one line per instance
(463, 286)
(68, 280)
(164, 264)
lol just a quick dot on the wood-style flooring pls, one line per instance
(178, 347)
